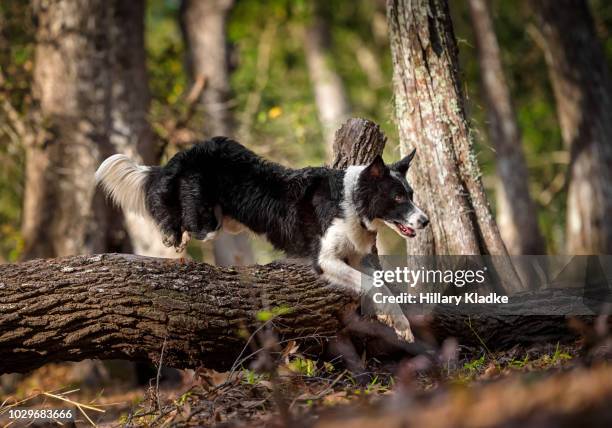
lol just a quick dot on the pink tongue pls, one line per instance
(405, 229)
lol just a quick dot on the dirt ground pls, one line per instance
(545, 385)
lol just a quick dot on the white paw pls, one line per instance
(184, 241)
(400, 324)
(405, 334)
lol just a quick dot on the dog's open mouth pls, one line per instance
(405, 230)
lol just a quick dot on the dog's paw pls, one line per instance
(400, 325)
(405, 334)
(168, 240)
(184, 241)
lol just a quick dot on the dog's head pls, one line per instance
(383, 194)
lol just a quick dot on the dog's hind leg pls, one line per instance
(200, 216)
(167, 218)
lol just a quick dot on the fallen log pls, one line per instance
(124, 306)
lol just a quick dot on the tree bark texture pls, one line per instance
(431, 117)
(91, 81)
(126, 306)
(517, 216)
(357, 142)
(116, 306)
(583, 90)
(329, 92)
(204, 29)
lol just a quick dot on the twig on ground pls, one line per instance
(159, 369)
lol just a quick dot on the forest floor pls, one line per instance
(545, 385)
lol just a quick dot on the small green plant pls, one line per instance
(268, 314)
(329, 367)
(376, 385)
(519, 364)
(475, 365)
(303, 366)
(558, 356)
(182, 399)
(250, 377)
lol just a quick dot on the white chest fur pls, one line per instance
(346, 238)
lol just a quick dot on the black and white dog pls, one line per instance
(330, 216)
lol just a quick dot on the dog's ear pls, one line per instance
(402, 165)
(376, 169)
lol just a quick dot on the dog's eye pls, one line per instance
(399, 199)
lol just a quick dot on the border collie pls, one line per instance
(327, 215)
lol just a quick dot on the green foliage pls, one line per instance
(558, 356)
(303, 366)
(271, 83)
(16, 54)
(267, 315)
(168, 79)
(251, 377)
(518, 363)
(476, 364)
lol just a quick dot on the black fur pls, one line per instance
(382, 195)
(292, 208)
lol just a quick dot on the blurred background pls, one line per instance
(280, 76)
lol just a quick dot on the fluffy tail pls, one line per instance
(124, 182)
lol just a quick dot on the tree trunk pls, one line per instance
(583, 90)
(329, 93)
(63, 213)
(204, 29)
(90, 79)
(516, 212)
(357, 142)
(431, 117)
(125, 306)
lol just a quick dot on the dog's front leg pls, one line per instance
(337, 272)
(390, 314)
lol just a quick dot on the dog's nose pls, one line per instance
(423, 221)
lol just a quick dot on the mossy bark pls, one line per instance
(431, 117)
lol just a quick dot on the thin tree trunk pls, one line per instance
(516, 212)
(90, 79)
(204, 29)
(583, 90)
(431, 117)
(329, 93)
(63, 214)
